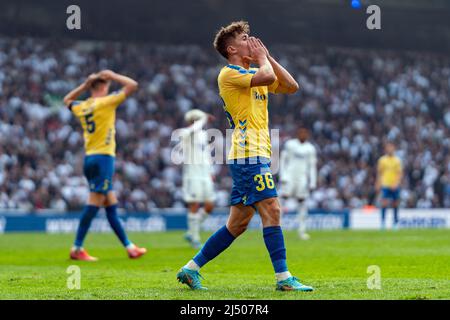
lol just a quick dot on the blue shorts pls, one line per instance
(390, 194)
(252, 181)
(99, 171)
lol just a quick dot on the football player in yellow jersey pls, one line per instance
(244, 91)
(389, 177)
(97, 115)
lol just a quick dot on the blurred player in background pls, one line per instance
(97, 115)
(389, 177)
(298, 175)
(245, 93)
(198, 185)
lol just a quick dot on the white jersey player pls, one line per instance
(298, 175)
(198, 187)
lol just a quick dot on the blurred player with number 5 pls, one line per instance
(97, 115)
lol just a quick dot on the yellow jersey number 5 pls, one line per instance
(264, 181)
(90, 123)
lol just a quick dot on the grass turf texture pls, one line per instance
(415, 264)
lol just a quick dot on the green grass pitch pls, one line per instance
(414, 264)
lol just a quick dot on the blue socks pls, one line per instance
(85, 222)
(116, 225)
(222, 239)
(395, 215)
(383, 216)
(217, 243)
(273, 238)
(88, 215)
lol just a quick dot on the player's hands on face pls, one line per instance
(249, 58)
(265, 48)
(257, 50)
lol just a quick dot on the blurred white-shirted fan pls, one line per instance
(198, 186)
(298, 175)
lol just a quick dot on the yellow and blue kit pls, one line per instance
(246, 108)
(390, 170)
(97, 117)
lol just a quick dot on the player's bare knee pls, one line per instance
(273, 207)
(110, 199)
(209, 206)
(193, 206)
(237, 228)
(96, 199)
(271, 215)
(241, 228)
(274, 215)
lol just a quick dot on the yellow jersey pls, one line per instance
(247, 112)
(390, 170)
(98, 117)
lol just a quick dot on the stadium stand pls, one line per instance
(353, 100)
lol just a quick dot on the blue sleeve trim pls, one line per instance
(240, 69)
(73, 103)
(231, 66)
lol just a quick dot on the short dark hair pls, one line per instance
(390, 142)
(226, 33)
(98, 82)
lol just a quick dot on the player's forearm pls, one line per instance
(129, 85)
(265, 71)
(123, 80)
(75, 93)
(287, 83)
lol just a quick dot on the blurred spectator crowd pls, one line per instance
(352, 100)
